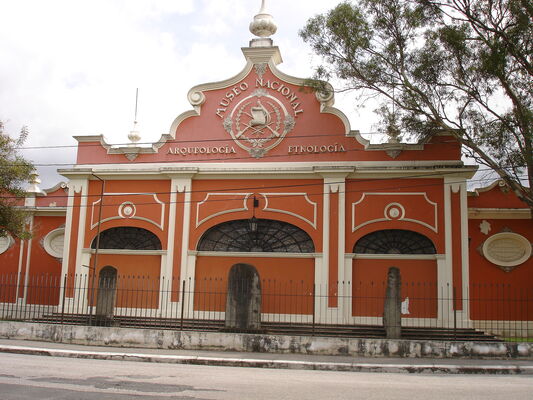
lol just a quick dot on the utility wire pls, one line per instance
(182, 160)
(222, 191)
(178, 141)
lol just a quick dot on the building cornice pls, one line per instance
(499, 213)
(305, 170)
(46, 211)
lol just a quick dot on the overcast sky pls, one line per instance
(71, 67)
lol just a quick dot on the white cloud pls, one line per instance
(70, 67)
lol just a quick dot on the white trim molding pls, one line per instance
(243, 208)
(313, 204)
(396, 256)
(499, 213)
(401, 216)
(252, 254)
(126, 252)
(160, 224)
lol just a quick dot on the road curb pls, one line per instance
(275, 364)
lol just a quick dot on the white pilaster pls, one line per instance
(74, 186)
(28, 260)
(187, 265)
(445, 267)
(465, 256)
(325, 234)
(19, 270)
(168, 261)
(334, 182)
(84, 186)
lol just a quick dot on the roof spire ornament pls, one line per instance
(263, 26)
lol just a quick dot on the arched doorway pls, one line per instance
(413, 255)
(282, 254)
(135, 256)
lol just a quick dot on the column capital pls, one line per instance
(332, 173)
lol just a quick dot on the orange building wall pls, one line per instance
(138, 279)
(457, 257)
(334, 266)
(9, 262)
(178, 239)
(45, 270)
(494, 293)
(497, 197)
(286, 283)
(419, 283)
(57, 198)
(147, 207)
(433, 188)
(200, 189)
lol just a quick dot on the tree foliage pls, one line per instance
(463, 66)
(15, 171)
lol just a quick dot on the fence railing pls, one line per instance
(495, 308)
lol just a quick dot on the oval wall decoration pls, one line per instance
(5, 243)
(53, 242)
(507, 250)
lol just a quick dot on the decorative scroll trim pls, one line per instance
(244, 206)
(434, 227)
(94, 211)
(313, 223)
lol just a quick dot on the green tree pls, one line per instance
(15, 171)
(463, 66)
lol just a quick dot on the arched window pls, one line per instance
(128, 238)
(394, 241)
(256, 235)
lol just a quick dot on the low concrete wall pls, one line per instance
(148, 338)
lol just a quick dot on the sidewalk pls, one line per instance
(270, 360)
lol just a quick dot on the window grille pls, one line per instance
(256, 235)
(394, 241)
(128, 238)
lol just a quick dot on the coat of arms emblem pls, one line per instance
(258, 123)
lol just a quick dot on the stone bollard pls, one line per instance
(243, 301)
(392, 313)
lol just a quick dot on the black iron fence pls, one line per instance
(354, 308)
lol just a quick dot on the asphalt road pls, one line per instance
(37, 377)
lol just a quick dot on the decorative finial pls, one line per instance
(34, 182)
(134, 135)
(263, 24)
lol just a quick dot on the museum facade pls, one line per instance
(265, 171)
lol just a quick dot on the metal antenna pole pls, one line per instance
(136, 103)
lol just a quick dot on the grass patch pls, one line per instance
(518, 339)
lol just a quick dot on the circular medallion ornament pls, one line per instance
(394, 211)
(259, 123)
(127, 210)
